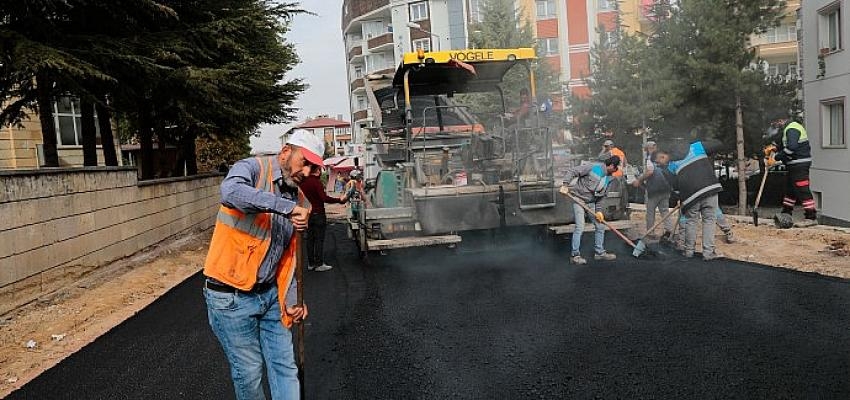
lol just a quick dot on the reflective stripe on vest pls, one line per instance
(794, 125)
(256, 225)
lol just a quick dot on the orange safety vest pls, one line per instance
(241, 240)
(615, 151)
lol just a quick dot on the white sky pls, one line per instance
(318, 42)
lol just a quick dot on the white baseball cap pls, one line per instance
(608, 143)
(311, 146)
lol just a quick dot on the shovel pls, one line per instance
(640, 247)
(758, 196)
(611, 228)
(299, 282)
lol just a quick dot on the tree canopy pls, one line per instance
(175, 69)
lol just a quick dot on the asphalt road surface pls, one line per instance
(504, 322)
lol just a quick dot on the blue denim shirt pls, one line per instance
(238, 190)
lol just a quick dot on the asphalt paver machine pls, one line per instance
(442, 171)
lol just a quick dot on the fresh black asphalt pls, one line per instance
(504, 322)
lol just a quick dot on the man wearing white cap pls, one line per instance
(249, 290)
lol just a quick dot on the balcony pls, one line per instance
(361, 115)
(357, 85)
(381, 42)
(355, 52)
(353, 9)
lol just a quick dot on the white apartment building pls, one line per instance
(826, 87)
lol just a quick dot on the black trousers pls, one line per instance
(316, 228)
(797, 190)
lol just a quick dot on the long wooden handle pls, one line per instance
(661, 221)
(299, 282)
(593, 213)
(761, 187)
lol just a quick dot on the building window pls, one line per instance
(475, 11)
(607, 5)
(779, 34)
(549, 46)
(358, 72)
(419, 11)
(788, 70)
(832, 112)
(830, 29)
(545, 9)
(609, 39)
(68, 120)
(361, 102)
(424, 44)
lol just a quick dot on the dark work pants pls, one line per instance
(797, 190)
(316, 239)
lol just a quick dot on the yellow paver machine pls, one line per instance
(445, 172)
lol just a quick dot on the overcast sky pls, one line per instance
(318, 41)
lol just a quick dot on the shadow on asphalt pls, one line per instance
(509, 319)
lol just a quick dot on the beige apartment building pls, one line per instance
(21, 146)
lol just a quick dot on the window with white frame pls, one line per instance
(832, 114)
(779, 34)
(424, 44)
(829, 21)
(610, 38)
(67, 117)
(361, 102)
(549, 46)
(475, 11)
(358, 72)
(782, 69)
(545, 9)
(607, 5)
(419, 11)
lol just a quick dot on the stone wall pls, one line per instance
(63, 223)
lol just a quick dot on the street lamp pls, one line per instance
(418, 27)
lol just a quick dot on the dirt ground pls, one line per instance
(64, 322)
(820, 249)
(68, 320)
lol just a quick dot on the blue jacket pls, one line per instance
(695, 178)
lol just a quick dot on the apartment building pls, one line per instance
(378, 32)
(21, 146)
(335, 132)
(826, 87)
(777, 48)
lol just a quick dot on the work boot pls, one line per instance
(311, 268)
(578, 260)
(711, 256)
(730, 237)
(688, 253)
(323, 268)
(605, 256)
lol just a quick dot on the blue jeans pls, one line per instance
(598, 236)
(249, 329)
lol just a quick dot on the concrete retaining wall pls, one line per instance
(60, 224)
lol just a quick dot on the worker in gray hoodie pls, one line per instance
(591, 186)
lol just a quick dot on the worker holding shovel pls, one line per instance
(591, 186)
(249, 289)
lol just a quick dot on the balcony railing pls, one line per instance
(377, 41)
(357, 84)
(355, 51)
(362, 114)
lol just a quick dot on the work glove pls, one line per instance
(770, 161)
(769, 150)
(600, 217)
(565, 190)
